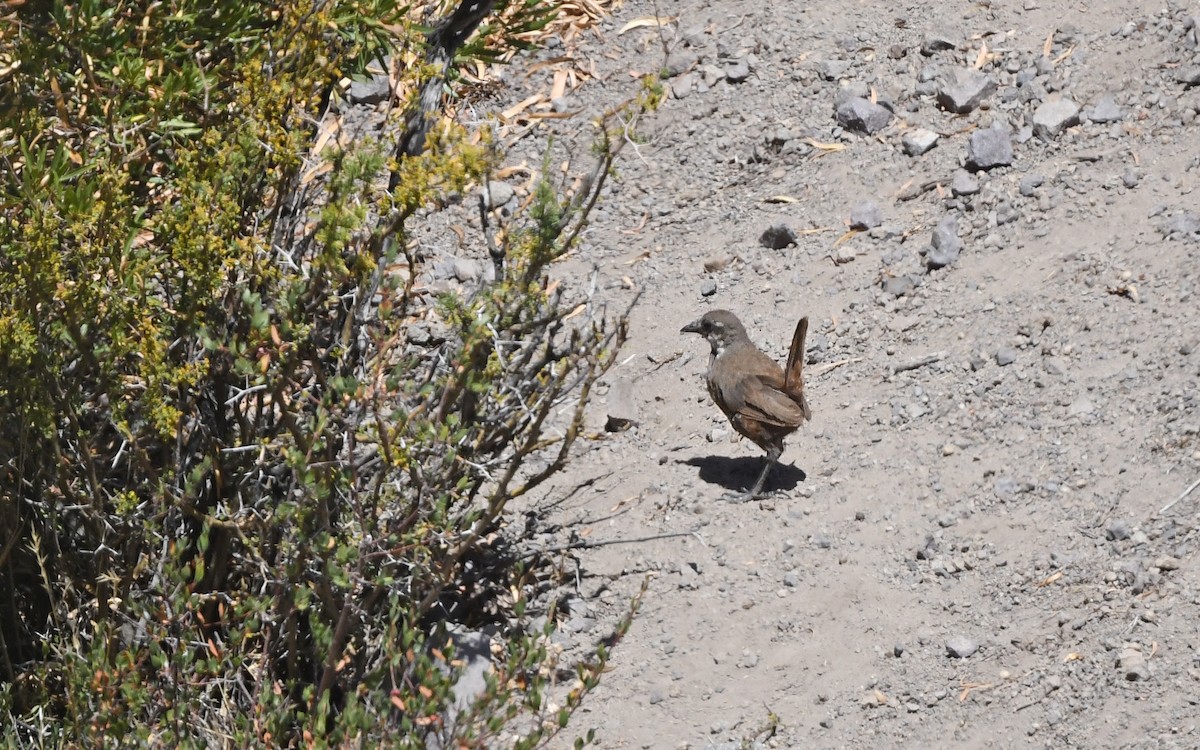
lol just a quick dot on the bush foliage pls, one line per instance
(237, 506)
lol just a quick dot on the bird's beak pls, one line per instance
(693, 327)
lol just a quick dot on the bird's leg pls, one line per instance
(768, 464)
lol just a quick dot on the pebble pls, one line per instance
(374, 91)
(898, 286)
(936, 43)
(1133, 665)
(989, 148)
(964, 184)
(679, 62)
(1029, 184)
(1189, 76)
(1053, 117)
(737, 71)
(622, 406)
(777, 237)
(1118, 530)
(961, 647)
(866, 215)
(1005, 356)
(946, 246)
(708, 288)
(918, 141)
(863, 115)
(965, 91)
(1106, 110)
(498, 194)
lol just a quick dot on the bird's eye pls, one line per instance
(706, 326)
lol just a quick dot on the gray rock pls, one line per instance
(708, 288)
(918, 141)
(898, 650)
(498, 194)
(1053, 117)
(863, 115)
(374, 91)
(1029, 184)
(898, 286)
(866, 215)
(472, 649)
(964, 184)
(466, 270)
(1133, 665)
(1118, 530)
(966, 91)
(937, 43)
(1182, 224)
(777, 237)
(622, 406)
(679, 62)
(683, 86)
(1106, 109)
(946, 246)
(737, 71)
(1189, 76)
(832, 70)
(961, 647)
(1129, 179)
(1081, 407)
(989, 148)
(1005, 356)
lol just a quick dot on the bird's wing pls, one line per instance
(764, 397)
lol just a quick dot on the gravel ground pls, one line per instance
(990, 215)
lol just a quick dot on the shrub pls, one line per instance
(237, 506)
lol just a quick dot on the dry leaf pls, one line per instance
(646, 21)
(1051, 579)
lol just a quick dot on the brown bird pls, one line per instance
(762, 402)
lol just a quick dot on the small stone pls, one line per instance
(1005, 356)
(863, 115)
(832, 70)
(866, 215)
(1133, 665)
(1118, 530)
(656, 695)
(679, 62)
(622, 406)
(1081, 407)
(826, 723)
(1106, 110)
(898, 286)
(1189, 76)
(1029, 184)
(964, 184)
(946, 246)
(1053, 117)
(374, 91)
(466, 270)
(918, 141)
(560, 104)
(498, 194)
(708, 288)
(777, 237)
(1167, 563)
(738, 71)
(966, 91)
(989, 148)
(936, 43)
(1129, 179)
(961, 647)
(898, 650)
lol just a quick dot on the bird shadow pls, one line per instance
(739, 473)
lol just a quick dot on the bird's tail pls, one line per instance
(793, 376)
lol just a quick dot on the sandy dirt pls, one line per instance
(965, 547)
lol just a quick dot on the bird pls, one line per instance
(762, 402)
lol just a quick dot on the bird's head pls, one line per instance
(719, 327)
